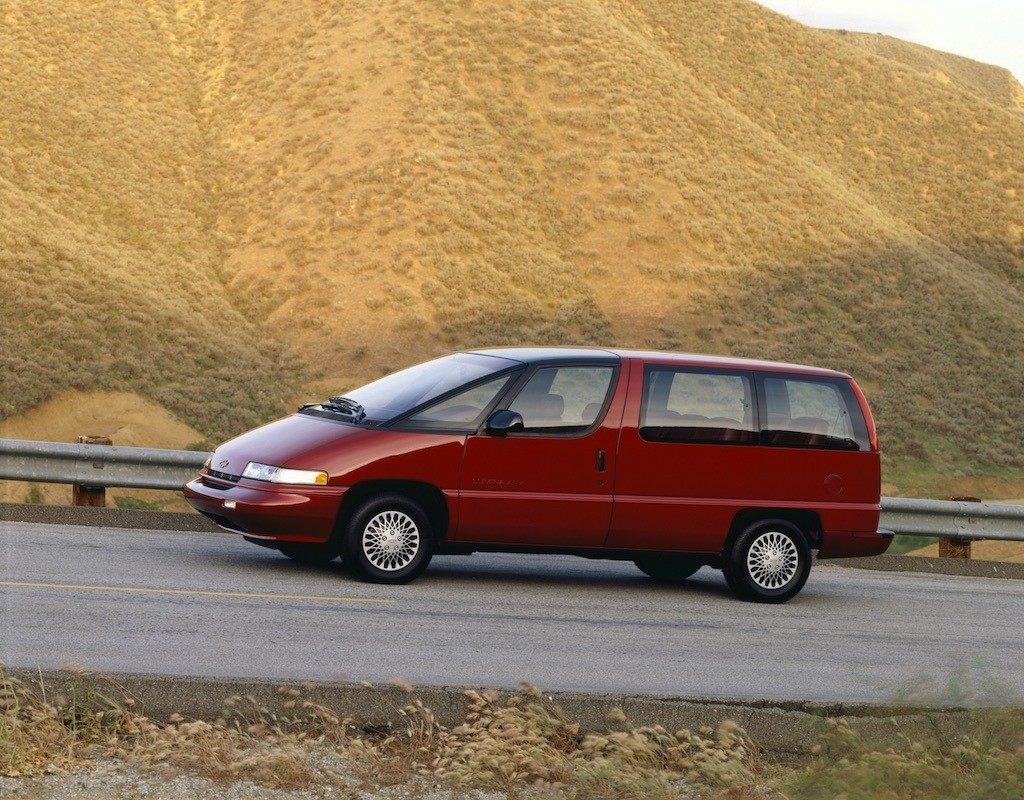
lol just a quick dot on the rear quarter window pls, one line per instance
(799, 411)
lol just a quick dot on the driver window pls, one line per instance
(463, 411)
(563, 399)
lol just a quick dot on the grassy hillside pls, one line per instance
(377, 183)
(918, 294)
(995, 84)
(704, 175)
(109, 253)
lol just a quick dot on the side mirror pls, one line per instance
(502, 422)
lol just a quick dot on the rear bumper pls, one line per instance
(266, 511)
(855, 544)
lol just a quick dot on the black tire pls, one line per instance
(668, 567)
(380, 517)
(316, 555)
(785, 563)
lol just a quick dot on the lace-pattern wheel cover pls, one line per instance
(773, 560)
(391, 540)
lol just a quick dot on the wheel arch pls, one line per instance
(429, 496)
(809, 523)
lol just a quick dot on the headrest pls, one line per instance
(551, 406)
(813, 425)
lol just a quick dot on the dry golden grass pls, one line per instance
(109, 253)
(383, 182)
(521, 747)
(995, 84)
(984, 551)
(414, 177)
(508, 745)
(123, 416)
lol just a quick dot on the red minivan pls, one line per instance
(671, 461)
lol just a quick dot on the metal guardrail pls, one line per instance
(952, 519)
(97, 465)
(91, 465)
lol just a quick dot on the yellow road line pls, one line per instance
(199, 592)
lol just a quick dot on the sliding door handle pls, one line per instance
(600, 460)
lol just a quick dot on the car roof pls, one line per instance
(537, 355)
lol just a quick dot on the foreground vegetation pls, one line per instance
(521, 746)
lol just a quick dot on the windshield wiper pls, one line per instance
(340, 405)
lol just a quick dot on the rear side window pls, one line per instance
(697, 407)
(811, 412)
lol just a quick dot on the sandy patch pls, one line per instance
(128, 419)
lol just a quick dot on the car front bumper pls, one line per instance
(259, 510)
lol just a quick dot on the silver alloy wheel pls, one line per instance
(391, 540)
(772, 560)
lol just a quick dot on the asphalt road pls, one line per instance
(208, 604)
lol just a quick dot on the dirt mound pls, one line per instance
(126, 418)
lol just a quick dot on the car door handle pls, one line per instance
(600, 460)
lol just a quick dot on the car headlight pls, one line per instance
(266, 472)
(209, 460)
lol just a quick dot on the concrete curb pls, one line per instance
(935, 566)
(106, 517)
(783, 730)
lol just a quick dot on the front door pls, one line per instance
(551, 484)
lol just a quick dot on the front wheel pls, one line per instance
(389, 539)
(769, 562)
(668, 567)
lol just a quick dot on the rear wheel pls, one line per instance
(309, 553)
(389, 539)
(769, 562)
(668, 567)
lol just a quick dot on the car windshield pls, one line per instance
(400, 392)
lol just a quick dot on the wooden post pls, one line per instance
(954, 548)
(95, 496)
(957, 548)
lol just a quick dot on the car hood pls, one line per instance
(298, 441)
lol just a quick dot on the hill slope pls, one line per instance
(384, 182)
(108, 250)
(995, 84)
(415, 177)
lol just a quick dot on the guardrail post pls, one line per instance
(95, 496)
(955, 547)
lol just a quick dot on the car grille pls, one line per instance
(223, 475)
